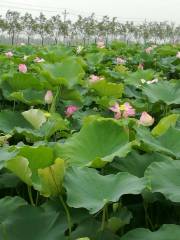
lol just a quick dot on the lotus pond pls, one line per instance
(90, 142)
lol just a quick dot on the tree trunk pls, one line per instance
(42, 41)
(28, 42)
(12, 39)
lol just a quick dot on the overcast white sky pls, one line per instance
(136, 10)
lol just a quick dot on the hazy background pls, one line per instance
(135, 10)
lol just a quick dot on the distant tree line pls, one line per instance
(59, 28)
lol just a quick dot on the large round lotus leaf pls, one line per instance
(164, 124)
(109, 89)
(166, 232)
(164, 177)
(136, 164)
(94, 59)
(6, 123)
(98, 142)
(27, 96)
(69, 72)
(167, 143)
(32, 223)
(164, 91)
(88, 189)
(134, 78)
(21, 81)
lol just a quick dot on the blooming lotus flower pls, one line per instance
(153, 81)
(148, 50)
(48, 97)
(94, 78)
(178, 55)
(128, 110)
(22, 68)
(116, 109)
(125, 110)
(120, 60)
(70, 110)
(100, 44)
(146, 119)
(141, 66)
(9, 54)
(39, 60)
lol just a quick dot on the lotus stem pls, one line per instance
(67, 214)
(30, 196)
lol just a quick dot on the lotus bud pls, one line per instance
(22, 68)
(70, 110)
(146, 119)
(48, 97)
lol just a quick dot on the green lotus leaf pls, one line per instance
(29, 160)
(5, 155)
(164, 91)
(94, 59)
(27, 222)
(163, 177)
(51, 178)
(136, 164)
(134, 78)
(164, 124)
(167, 143)
(35, 117)
(69, 72)
(108, 89)
(21, 126)
(20, 81)
(8, 180)
(28, 96)
(88, 189)
(9, 205)
(97, 143)
(20, 167)
(166, 232)
(6, 123)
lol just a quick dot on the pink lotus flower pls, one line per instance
(125, 110)
(39, 60)
(120, 60)
(94, 78)
(116, 109)
(70, 110)
(129, 111)
(146, 119)
(48, 97)
(148, 50)
(141, 66)
(178, 55)
(22, 68)
(9, 54)
(153, 81)
(100, 44)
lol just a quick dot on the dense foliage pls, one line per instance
(90, 142)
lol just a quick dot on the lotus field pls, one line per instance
(90, 142)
